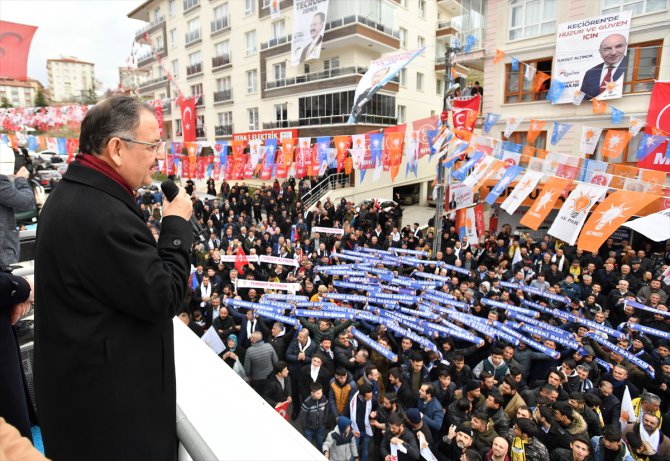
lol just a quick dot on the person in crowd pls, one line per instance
(278, 387)
(259, 361)
(404, 441)
(314, 415)
(340, 444)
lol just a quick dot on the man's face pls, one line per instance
(489, 382)
(341, 379)
(316, 395)
(650, 423)
(137, 160)
(580, 450)
(463, 440)
(496, 359)
(619, 374)
(606, 389)
(316, 362)
(459, 364)
(316, 26)
(554, 380)
(506, 389)
(417, 366)
(614, 446)
(583, 374)
(396, 429)
(613, 49)
(499, 447)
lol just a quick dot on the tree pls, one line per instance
(40, 99)
(4, 103)
(90, 97)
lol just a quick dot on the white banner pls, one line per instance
(479, 171)
(275, 9)
(231, 258)
(460, 196)
(309, 25)
(213, 340)
(572, 215)
(589, 141)
(328, 230)
(591, 56)
(276, 260)
(511, 125)
(526, 185)
(470, 227)
(244, 283)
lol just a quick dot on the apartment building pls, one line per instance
(237, 58)
(131, 78)
(19, 93)
(70, 79)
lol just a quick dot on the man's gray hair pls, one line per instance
(256, 336)
(648, 397)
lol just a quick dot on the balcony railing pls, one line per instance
(148, 57)
(194, 69)
(223, 130)
(448, 25)
(220, 24)
(190, 4)
(276, 42)
(150, 25)
(223, 95)
(314, 76)
(218, 61)
(192, 36)
(331, 119)
(363, 20)
(153, 81)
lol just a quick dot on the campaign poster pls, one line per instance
(309, 25)
(460, 196)
(380, 72)
(592, 56)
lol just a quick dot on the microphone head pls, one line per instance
(170, 189)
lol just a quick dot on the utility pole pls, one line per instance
(446, 107)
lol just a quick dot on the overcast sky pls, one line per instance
(97, 31)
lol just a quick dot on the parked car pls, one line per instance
(381, 203)
(48, 178)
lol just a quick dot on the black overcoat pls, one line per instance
(105, 296)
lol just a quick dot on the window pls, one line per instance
(221, 18)
(419, 81)
(160, 45)
(188, 4)
(325, 109)
(279, 71)
(225, 118)
(266, 3)
(643, 66)
(251, 81)
(200, 126)
(278, 29)
(518, 88)
(521, 137)
(636, 6)
(175, 67)
(529, 18)
(422, 8)
(403, 37)
(193, 30)
(172, 7)
(195, 58)
(331, 64)
(420, 41)
(253, 118)
(178, 131)
(281, 115)
(438, 86)
(158, 17)
(173, 38)
(307, 69)
(223, 84)
(402, 110)
(403, 77)
(250, 40)
(196, 90)
(222, 48)
(249, 7)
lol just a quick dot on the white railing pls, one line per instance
(328, 183)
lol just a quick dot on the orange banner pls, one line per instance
(599, 107)
(238, 149)
(395, 143)
(534, 130)
(342, 144)
(551, 191)
(614, 143)
(538, 81)
(287, 146)
(499, 56)
(609, 215)
(496, 167)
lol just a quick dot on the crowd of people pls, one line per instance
(462, 400)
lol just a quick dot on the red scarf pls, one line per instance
(93, 162)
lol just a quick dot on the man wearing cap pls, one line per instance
(454, 444)
(340, 444)
(399, 440)
(524, 445)
(416, 424)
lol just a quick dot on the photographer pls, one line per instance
(15, 195)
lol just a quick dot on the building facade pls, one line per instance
(70, 80)
(19, 93)
(130, 78)
(237, 58)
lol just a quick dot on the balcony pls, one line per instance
(362, 20)
(223, 130)
(220, 25)
(191, 5)
(148, 58)
(276, 42)
(192, 37)
(150, 27)
(153, 83)
(446, 28)
(223, 96)
(315, 76)
(167, 108)
(194, 69)
(365, 119)
(219, 62)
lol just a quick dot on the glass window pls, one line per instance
(172, 7)
(175, 67)
(251, 81)
(253, 118)
(637, 7)
(195, 58)
(401, 114)
(518, 88)
(222, 48)
(420, 41)
(403, 37)
(419, 81)
(281, 114)
(422, 8)
(438, 86)
(223, 84)
(403, 77)
(221, 18)
(250, 39)
(643, 66)
(279, 71)
(278, 29)
(193, 30)
(249, 7)
(529, 18)
(173, 38)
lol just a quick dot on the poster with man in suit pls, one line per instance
(591, 56)
(309, 25)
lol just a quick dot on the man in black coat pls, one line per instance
(106, 293)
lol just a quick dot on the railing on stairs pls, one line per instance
(330, 182)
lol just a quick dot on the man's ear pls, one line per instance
(114, 151)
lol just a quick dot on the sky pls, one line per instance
(97, 31)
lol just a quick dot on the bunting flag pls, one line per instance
(635, 125)
(489, 169)
(470, 41)
(529, 75)
(470, 226)
(511, 126)
(555, 91)
(648, 144)
(465, 113)
(342, 144)
(275, 9)
(611, 213)
(323, 143)
(499, 56)
(617, 115)
(564, 166)
(459, 175)
(534, 129)
(255, 152)
(655, 226)
(538, 81)
(509, 176)
(240, 260)
(412, 155)
(590, 168)
(270, 152)
(559, 131)
(394, 141)
(491, 119)
(573, 213)
(614, 143)
(188, 121)
(540, 209)
(526, 185)
(287, 148)
(358, 151)
(430, 139)
(515, 64)
(599, 107)
(589, 140)
(376, 148)
(578, 97)
(421, 127)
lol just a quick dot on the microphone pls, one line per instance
(170, 190)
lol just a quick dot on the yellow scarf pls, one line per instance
(518, 449)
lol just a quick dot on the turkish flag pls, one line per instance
(282, 409)
(464, 109)
(14, 48)
(187, 107)
(658, 117)
(241, 260)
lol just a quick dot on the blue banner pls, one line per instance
(376, 147)
(462, 172)
(509, 176)
(390, 355)
(491, 119)
(270, 152)
(559, 131)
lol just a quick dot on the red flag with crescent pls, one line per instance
(658, 118)
(465, 113)
(14, 48)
